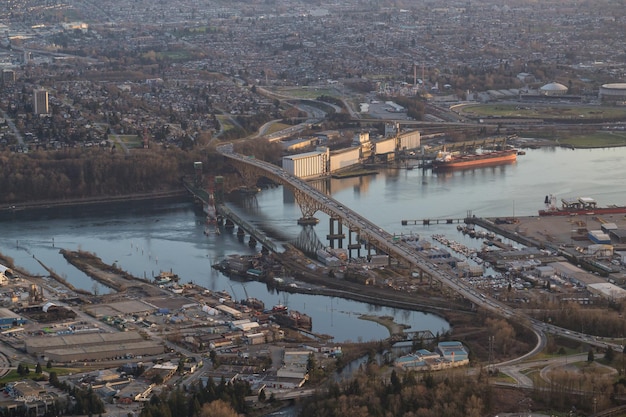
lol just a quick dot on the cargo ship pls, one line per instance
(449, 160)
(577, 205)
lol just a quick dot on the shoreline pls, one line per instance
(94, 201)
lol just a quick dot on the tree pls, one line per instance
(590, 356)
(609, 355)
(38, 369)
(217, 408)
(53, 379)
(49, 365)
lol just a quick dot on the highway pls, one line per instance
(404, 253)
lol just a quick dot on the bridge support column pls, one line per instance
(332, 236)
(354, 245)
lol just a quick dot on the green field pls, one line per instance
(130, 141)
(600, 139)
(533, 111)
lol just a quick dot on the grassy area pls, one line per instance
(178, 55)
(546, 112)
(600, 139)
(225, 122)
(277, 127)
(13, 376)
(307, 92)
(131, 141)
(503, 378)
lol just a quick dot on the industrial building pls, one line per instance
(37, 345)
(345, 158)
(613, 93)
(9, 319)
(447, 355)
(607, 290)
(409, 140)
(386, 146)
(322, 162)
(91, 353)
(307, 165)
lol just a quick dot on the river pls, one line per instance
(145, 238)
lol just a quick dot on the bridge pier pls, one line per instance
(228, 224)
(332, 236)
(240, 233)
(308, 221)
(356, 245)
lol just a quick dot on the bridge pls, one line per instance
(312, 200)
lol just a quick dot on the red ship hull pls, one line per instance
(477, 160)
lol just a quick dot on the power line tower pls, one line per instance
(490, 360)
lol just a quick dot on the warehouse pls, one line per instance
(9, 319)
(41, 344)
(410, 140)
(307, 165)
(90, 353)
(607, 290)
(385, 146)
(345, 158)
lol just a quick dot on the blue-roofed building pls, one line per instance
(447, 355)
(452, 351)
(9, 319)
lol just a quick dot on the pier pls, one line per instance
(428, 222)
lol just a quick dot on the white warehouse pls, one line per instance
(410, 140)
(307, 165)
(345, 158)
(385, 146)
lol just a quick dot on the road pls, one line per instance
(14, 129)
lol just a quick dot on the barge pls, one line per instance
(577, 206)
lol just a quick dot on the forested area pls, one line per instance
(408, 395)
(96, 172)
(210, 400)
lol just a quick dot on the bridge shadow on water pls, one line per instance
(307, 241)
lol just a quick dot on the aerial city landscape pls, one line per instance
(357, 208)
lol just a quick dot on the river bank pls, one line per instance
(31, 206)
